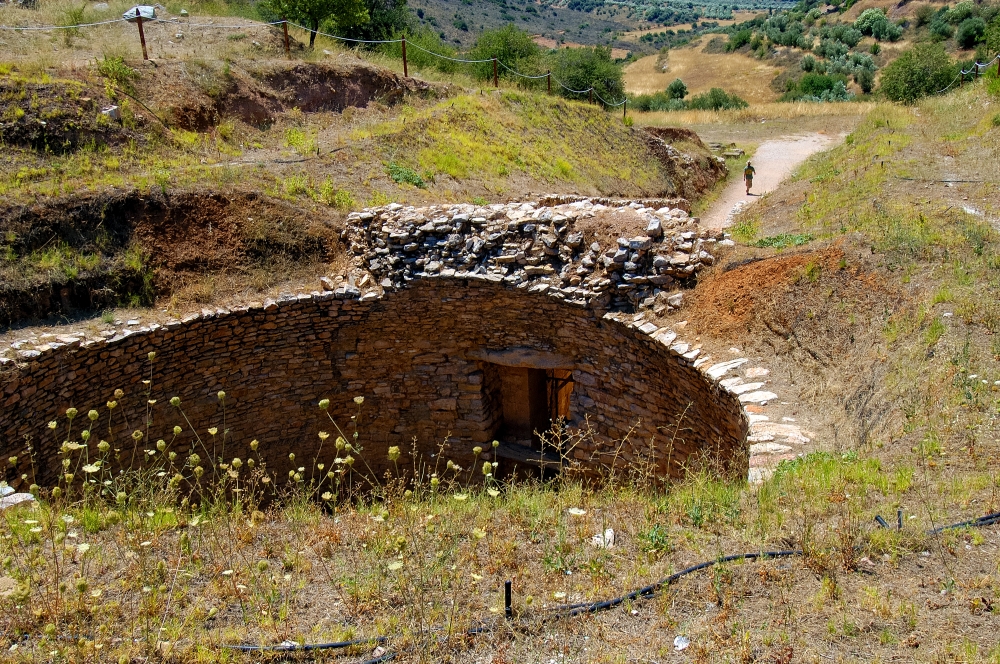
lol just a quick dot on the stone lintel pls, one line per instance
(523, 357)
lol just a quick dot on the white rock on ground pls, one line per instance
(758, 397)
(719, 370)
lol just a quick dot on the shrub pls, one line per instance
(918, 72)
(874, 22)
(403, 175)
(970, 32)
(581, 68)
(716, 99)
(739, 39)
(509, 45)
(820, 87)
(923, 15)
(658, 101)
(677, 89)
(941, 30)
(865, 78)
(418, 58)
(961, 12)
(808, 63)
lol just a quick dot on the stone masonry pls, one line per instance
(423, 354)
(539, 247)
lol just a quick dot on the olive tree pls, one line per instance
(343, 14)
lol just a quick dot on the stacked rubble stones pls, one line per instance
(535, 247)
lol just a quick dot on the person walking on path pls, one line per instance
(748, 176)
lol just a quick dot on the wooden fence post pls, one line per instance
(591, 91)
(406, 71)
(496, 81)
(284, 26)
(142, 35)
(625, 110)
(548, 77)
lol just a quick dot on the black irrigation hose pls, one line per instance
(650, 590)
(570, 610)
(311, 646)
(988, 520)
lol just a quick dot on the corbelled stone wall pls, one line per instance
(424, 358)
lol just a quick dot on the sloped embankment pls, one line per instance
(87, 253)
(513, 141)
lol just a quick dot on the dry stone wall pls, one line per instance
(423, 356)
(542, 247)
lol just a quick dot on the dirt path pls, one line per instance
(774, 161)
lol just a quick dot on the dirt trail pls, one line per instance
(774, 161)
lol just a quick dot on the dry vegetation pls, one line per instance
(184, 555)
(743, 75)
(882, 324)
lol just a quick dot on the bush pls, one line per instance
(510, 46)
(923, 15)
(820, 87)
(677, 89)
(582, 68)
(865, 78)
(658, 101)
(874, 22)
(918, 72)
(716, 99)
(808, 63)
(961, 12)
(941, 30)
(970, 32)
(739, 39)
(403, 175)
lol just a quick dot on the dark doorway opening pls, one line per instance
(532, 401)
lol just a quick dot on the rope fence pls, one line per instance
(976, 70)
(139, 20)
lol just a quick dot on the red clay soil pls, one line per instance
(787, 292)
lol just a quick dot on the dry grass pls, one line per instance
(136, 565)
(756, 113)
(736, 73)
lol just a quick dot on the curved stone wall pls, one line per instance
(422, 357)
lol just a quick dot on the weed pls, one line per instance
(745, 229)
(378, 198)
(405, 175)
(118, 74)
(299, 141)
(783, 240)
(338, 198)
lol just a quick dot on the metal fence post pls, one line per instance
(284, 26)
(142, 35)
(548, 77)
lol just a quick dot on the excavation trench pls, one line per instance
(462, 361)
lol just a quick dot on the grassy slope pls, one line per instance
(399, 565)
(475, 145)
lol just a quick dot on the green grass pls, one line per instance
(492, 138)
(783, 240)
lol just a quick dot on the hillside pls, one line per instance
(314, 220)
(259, 159)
